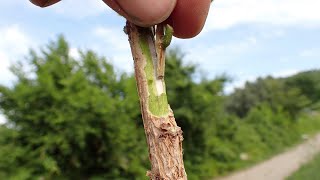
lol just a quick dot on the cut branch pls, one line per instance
(164, 137)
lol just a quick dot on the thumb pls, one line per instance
(143, 12)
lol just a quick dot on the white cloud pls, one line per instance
(2, 119)
(74, 53)
(5, 75)
(226, 14)
(215, 58)
(285, 73)
(13, 45)
(204, 53)
(123, 61)
(115, 42)
(313, 52)
(112, 37)
(239, 82)
(10, 3)
(14, 40)
(242, 78)
(81, 8)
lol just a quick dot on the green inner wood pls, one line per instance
(157, 105)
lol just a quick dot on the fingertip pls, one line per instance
(44, 3)
(188, 17)
(142, 12)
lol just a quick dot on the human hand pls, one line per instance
(187, 17)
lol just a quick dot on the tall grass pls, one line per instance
(309, 171)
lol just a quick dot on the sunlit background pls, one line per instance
(243, 39)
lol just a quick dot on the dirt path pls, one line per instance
(282, 165)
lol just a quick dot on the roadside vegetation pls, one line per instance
(80, 119)
(308, 171)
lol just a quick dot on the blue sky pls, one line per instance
(245, 39)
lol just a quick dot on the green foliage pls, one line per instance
(74, 119)
(79, 119)
(308, 171)
(273, 92)
(308, 83)
(195, 106)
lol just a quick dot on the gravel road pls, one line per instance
(282, 165)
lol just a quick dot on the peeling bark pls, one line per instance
(164, 137)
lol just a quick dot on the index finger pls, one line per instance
(188, 17)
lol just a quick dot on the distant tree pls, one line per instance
(309, 84)
(268, 90)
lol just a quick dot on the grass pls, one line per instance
(309, 171)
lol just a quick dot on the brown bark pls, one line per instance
(164, 137)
